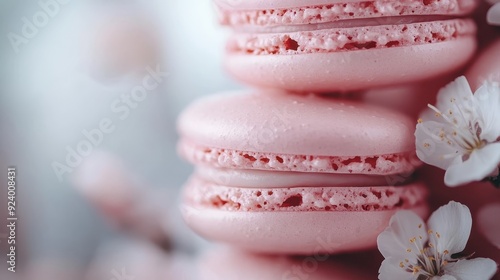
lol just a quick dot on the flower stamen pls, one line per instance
(468, 141)
(429, 261)
(425, 260)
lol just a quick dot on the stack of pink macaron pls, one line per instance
(298, 165)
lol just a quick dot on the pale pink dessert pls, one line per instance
(313, 193)
(410, 99)
(332, 45)
(287, 132)
(279, 172)
(486, 68)
(230, 264)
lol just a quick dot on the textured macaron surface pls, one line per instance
(201, 193)
(343, 25)
(279, 12)
(226, 158)
(327, 46)
(351, 38)
(281, 131)
(371, 7)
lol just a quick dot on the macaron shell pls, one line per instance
(390, 164)
(283, 123)
(311, 15)
(206, 194)
(297, 233)
(349, 36)
(463, 6)
(230, 264)
(351, 70)
(486, 67)
(410, 99)
(345, 45)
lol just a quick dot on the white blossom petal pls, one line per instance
(481, 163)
(434, 149)
(394, 241)
(475, 269)
(390, 270)
(487, 98)
(493, 15)
(429, 115)
(444, 277)
(451, 225)
(461, 133)
(458, 89)
(449, 229)
(456, 100)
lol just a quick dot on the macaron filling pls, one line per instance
(252, 178)
(338, 10)
(201, 193)
(227, 158)
(352, 38)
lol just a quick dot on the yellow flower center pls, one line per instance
(429, 262)
(465, 134)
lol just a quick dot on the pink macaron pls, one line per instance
(410, 99)
(346, 45)
(230, 264)
(486, 68)
(298, 174)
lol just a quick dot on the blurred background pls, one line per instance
(68, 67)
(89, 94)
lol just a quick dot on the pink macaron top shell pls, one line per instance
(486, 68)
(443, 6)
(284, 123)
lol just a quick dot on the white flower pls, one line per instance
(493, 15)
(462, 133)
(414, 250)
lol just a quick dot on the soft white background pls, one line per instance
(49, 95)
